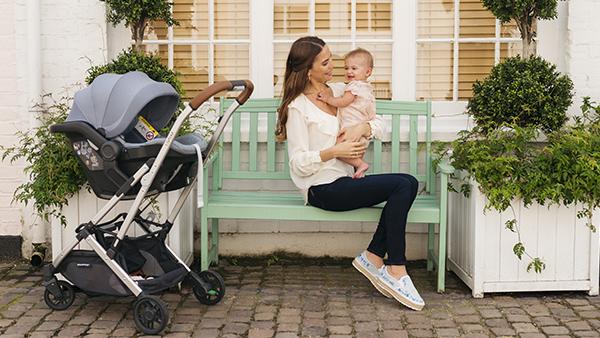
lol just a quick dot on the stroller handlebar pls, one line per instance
(220, 86)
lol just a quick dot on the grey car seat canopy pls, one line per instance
(112, 103)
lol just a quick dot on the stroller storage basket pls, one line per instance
(86, 269)
(159, 270)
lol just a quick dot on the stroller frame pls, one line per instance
(145, 176)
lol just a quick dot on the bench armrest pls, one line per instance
(445, 167)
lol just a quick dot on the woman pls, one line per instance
(312, 129)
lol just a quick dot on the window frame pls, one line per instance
(456, 40)
(211, 42)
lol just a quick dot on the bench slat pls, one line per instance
(271, 121)
(395, 143)
(253, 143)
(235, 141)
(428, 165)
(377, 158)
(412, 145)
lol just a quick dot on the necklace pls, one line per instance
(314, 92)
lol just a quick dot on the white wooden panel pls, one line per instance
(547, 240)
(565, 246)
(528, 223)
(581, 264)
(71, 212)
(495, 249)
(509, 263)
(87, 203)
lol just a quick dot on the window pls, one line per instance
(211, 43)
(423, 49)
(458, 42)
(344, 25)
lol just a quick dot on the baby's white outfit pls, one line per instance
(363, 107)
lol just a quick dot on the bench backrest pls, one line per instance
(265, 166)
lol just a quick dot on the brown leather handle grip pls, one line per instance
(248, 89)
(220, 86)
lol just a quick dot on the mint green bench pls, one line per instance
(429, 207)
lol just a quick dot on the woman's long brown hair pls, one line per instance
(299, 61)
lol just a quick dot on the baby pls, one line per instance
(357, 105)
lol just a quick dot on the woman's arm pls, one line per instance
(305, 162)
(369, 129)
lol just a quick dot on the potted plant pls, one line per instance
(522, 217)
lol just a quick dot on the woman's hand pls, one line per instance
(344, 149)
(355, 133)
(348, 149)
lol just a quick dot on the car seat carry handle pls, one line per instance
(221, 86)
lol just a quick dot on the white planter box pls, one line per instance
(480, 248)
(83, 206)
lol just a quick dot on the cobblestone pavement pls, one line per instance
(301, 300)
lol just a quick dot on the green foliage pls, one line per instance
(134, 11)
(131, 60)
(524, 93)
(511, 163)
(136, 14)
(519, 250)
(54, 173)
(537, 265)
(525, 13)
(506, 10)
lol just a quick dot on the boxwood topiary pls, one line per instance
(522, 92)
(130, 60)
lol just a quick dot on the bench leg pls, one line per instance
(204, 259)
(430, 244)
(215, 240)
(441, 268)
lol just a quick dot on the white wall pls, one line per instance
(583, 52)
(12, 99)
(73, 36)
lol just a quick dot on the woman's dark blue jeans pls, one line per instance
(399, 190)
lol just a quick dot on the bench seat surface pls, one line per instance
(251, 204)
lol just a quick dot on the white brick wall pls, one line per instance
(583, 53)
(73, 37)
(10, 94)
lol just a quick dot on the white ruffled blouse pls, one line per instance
(310, 130)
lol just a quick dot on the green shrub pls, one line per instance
(525, 13)
(524, 93)
(54, 173)
(130, 60)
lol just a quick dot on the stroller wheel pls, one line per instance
(217, 288)
(150, 314)
(63, 301)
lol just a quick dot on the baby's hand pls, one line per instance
(323, 96)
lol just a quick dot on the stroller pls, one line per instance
(113, 128)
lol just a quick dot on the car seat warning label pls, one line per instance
(145, 129)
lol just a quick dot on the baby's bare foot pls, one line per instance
(361, 170)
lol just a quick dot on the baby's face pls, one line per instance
(357, 68)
